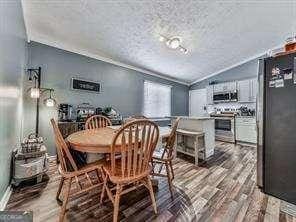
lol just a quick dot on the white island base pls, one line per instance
(200, 136)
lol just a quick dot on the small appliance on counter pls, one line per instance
(65, 112)
(30, 160)
(113, 115)
(99, 111)
(83, 111)
(245, 111)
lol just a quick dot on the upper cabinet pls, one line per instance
(247, 90)
(254, 89)
(224, 87)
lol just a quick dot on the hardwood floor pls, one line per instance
(223, 189)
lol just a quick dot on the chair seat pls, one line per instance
(117, 177)
(157, 155)
(161, 160)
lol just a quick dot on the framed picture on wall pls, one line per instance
(85, 85)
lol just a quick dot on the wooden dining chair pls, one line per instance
(97, 121)
(85, 179)
(166, 157)
(135, 142)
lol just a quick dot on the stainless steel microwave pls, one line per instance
(231, 96)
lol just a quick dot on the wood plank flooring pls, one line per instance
(223, 189)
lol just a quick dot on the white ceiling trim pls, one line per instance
(235, 65)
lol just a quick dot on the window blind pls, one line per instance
(157, 99)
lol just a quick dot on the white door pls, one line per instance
(198, 102)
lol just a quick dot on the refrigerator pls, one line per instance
(276, 127)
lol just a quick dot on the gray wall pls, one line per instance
(122, 88)
(244, 71)
(13, 49)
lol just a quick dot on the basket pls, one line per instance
(31, 144)
(30, 167)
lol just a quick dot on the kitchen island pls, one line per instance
(200, 124)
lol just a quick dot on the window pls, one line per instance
(157, 99)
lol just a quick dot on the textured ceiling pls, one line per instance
(218, 34)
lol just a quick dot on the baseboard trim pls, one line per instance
(5, 198)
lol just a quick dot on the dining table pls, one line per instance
(98, 141)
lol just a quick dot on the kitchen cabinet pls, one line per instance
(244, 90)
(245, 129)
(210, 94)
(224, 87)
(254, 89)
(247, 90)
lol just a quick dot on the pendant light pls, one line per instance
(50, 102)
(35, 91)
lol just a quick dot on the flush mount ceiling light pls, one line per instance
(173, 43)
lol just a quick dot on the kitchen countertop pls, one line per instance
(245, 117)
(194, 117)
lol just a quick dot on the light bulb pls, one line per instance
(174, 43)
(185, 51)
(35, 93)
(161, 38)
(49, 102)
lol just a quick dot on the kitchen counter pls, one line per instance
(205, 124)
(193, 117)
(245, 117)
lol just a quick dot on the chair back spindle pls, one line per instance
(97, 121)
(138, 140)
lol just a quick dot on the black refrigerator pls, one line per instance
(276, 122)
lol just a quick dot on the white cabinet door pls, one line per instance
(244, 90)
(224, 87)
(254, 89)
(246, 133)
(231, 86)
(198, 102)
(210, 95)
(218, 87)
(246, 130)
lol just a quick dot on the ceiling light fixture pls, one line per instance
(173, 43)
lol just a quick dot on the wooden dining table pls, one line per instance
(99, 141)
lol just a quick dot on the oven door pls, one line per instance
(221, 97)
(223, 124)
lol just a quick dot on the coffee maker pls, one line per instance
(65, 112)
